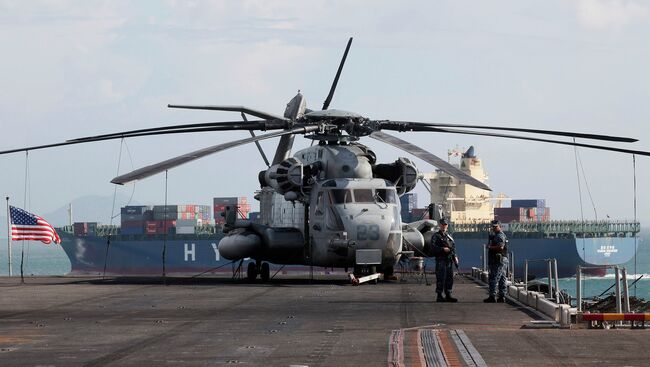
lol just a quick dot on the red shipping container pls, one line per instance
(80, 228)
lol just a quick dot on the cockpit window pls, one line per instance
(363, 196)
(386, 196)
(340, 196)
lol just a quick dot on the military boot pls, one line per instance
(449, 298)
(440, 298)
(490, 300)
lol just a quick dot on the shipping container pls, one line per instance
(165, 209)
(185, 230)
(134, 209)
(165, 216)
(188, 222)
(528, 203)
(511, 218)
(151, 227)
(225, 200)
(133, 223)
(515, 211)
(243, 210)
(92, 228)
(132, 217)
(147, 215)
(409, 201)
(230, 200)
(406, 217)
(131, 230)
(419, 214)
(80, 228)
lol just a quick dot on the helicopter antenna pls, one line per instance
(336, 78)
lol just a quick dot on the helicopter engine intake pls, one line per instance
(402, 173)
(285, 176)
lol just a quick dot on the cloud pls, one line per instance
(610, 14)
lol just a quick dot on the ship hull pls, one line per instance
(191, 256)
(569, 252)
(126, 256)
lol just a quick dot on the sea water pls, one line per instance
(36, 257)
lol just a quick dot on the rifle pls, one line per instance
(452, 252)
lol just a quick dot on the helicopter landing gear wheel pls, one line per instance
(251, 272)
(265, 272)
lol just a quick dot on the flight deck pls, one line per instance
(73, 321)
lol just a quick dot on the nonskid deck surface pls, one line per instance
(74, 321)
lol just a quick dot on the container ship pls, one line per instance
(184, 239)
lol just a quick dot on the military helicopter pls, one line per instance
(345, 203)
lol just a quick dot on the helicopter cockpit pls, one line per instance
(356, 213)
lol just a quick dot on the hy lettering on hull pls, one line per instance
(189, 252)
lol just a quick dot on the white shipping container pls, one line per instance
(185, 230)
(188, 222)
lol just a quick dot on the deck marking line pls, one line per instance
(431, 347)
(475, 355)
(421, 359)
(395, 352)
(461, 348)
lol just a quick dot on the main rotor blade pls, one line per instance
(508, 136)
(326, 104)
(412, 125)
(429, 158)
(234, 125)
(177, 161)
(250, 111)
(139, 134)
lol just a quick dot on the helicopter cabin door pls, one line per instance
(327, 225)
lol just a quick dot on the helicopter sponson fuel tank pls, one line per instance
(278, 245)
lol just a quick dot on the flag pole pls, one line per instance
(9, 234)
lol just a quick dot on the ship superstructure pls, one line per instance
(461, 202)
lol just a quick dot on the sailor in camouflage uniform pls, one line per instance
(498, 263)
(444, 251)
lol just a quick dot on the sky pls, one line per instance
(76, 68)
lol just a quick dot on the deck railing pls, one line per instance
(578, 228)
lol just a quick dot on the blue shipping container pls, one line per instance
(131, 230)
(134, 209)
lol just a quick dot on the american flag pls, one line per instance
(27, 226)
